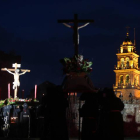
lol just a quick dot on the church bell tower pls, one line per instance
(127, 70)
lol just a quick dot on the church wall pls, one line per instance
(126, 92)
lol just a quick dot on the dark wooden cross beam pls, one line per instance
(75, 27)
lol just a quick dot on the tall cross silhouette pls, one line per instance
(75, 28)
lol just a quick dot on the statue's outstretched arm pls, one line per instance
(67, 25)
(23, 72)
(9, 71)
(83, 26)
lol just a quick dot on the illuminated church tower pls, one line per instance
(127, 70)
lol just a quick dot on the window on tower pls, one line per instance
(127, 79)
(136, 80)
(129, 49)
(127, 62)
(121, 79)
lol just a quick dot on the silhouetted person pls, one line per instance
(110, 117)
(89, 112)
(1, 123)
(55, 114)
(25, 121)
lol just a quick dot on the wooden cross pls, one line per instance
(15, 66)
(75, 27)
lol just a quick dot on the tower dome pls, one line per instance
(127, 45)
(127, 40)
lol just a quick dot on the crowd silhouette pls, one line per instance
(101, 112)
(102, 118)
(110, 117)
(55, 104)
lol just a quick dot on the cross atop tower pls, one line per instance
(127, 28)
(75, 28)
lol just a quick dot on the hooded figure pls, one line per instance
(89, 112)
(110, 117)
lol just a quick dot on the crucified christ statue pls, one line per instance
(16, 74)
(75, 28)
(16, 77)
(74, 35)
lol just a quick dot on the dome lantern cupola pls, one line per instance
(127, 45)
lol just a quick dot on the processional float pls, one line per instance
(17, 111)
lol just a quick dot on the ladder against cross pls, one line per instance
(16, 66)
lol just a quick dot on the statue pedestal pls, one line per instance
(77, 82)
(81, 74)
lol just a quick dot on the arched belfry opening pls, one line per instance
(127, 79)
(121, 80)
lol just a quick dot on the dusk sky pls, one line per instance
(30, 28)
